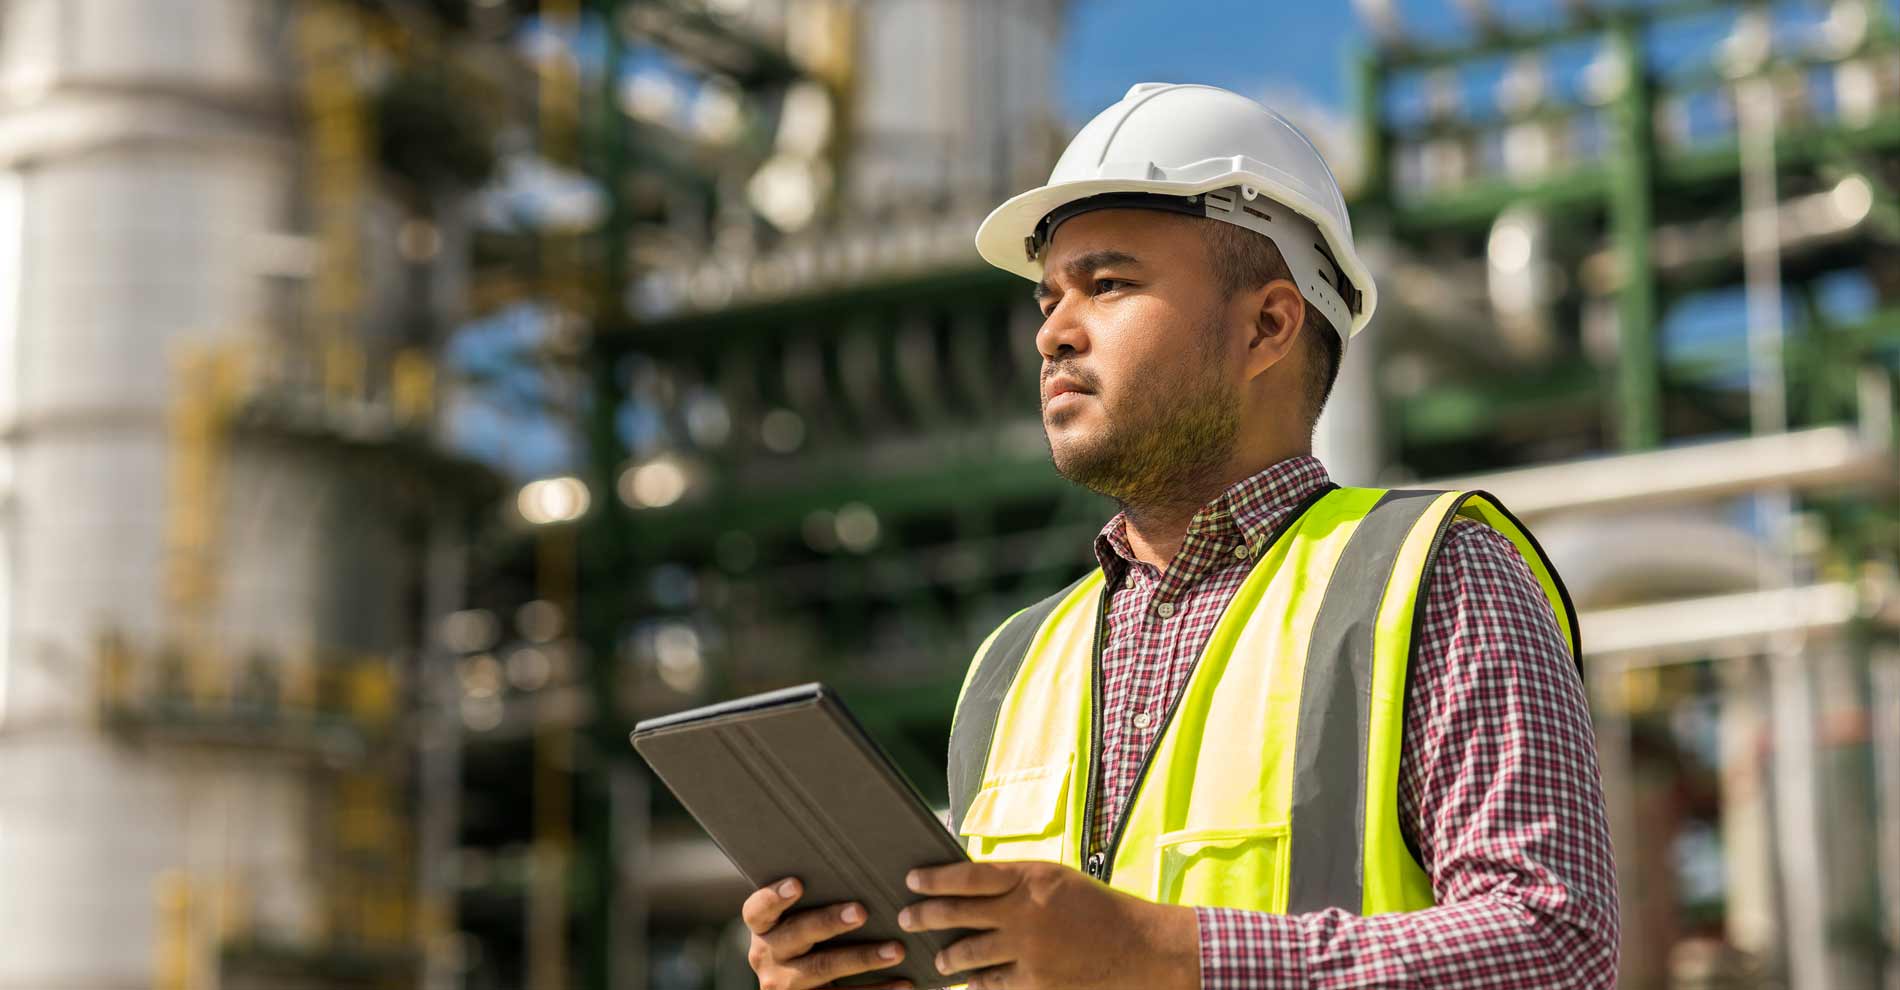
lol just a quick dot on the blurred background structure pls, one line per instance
(222, 303)
(399, 398)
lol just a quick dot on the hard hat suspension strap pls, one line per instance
(1240, 205)
(1034, 244)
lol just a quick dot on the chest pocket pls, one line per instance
(1242, 867)
(1018, 814)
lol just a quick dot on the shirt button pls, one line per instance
(1143, 720)
(1240, 551)
(1164, 609)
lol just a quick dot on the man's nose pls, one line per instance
(1060, 330)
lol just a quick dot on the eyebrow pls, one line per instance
(1081, 265)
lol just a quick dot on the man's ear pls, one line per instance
(1279, 314)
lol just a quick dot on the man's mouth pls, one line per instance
(1060, 387)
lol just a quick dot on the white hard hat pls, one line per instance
(1203, 151)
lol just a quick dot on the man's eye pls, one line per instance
(1108, 284)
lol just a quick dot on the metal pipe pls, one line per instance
(1791, 679)
(1885, 675)
(1632, 218)
(1822, 457)
(438, 879)
(631, 812)
(1720, 626)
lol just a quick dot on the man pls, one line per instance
(1289, 734)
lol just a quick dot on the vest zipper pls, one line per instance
(1141, 774)
(1102, 861)
(1095, 863)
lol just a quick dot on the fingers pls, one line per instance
(762, 910)
(796, 933)
(781, 953)
(820, 969)
(972, 953)
(965, 879)
(836, 964)
(950, 912)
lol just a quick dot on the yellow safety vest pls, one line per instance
(1273, 785)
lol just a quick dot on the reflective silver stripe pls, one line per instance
(974, 726)
(1327, 840)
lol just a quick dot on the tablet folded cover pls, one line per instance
(788, 784)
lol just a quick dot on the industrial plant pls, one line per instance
(399, 399)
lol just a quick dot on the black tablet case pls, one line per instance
(789, 784)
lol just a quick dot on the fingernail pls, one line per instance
(788, 888)
(911, 879)
(903, 919)
(941, 968)
(888, 950)
(853, 914)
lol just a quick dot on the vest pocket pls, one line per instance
(1017, 814)
(1243, 867)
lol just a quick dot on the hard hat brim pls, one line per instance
(999, 240)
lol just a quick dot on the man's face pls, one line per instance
(1133, 319)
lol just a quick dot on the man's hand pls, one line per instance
(1050, 927)
(781, 953)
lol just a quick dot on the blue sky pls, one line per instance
(1244, 45)
(1261, 47)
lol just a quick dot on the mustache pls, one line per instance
(1081, 376)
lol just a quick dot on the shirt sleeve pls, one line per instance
(1500, 792)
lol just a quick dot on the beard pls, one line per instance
(1164, 438)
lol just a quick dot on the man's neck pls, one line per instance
(1155, 539)
(1155, 532)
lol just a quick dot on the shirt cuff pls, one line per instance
(1248, 950)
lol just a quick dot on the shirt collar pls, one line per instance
(1249, 508)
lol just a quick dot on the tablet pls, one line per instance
(789, 784)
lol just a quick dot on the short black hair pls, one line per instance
(1244, 259)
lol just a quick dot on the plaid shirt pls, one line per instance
(1498, 783)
